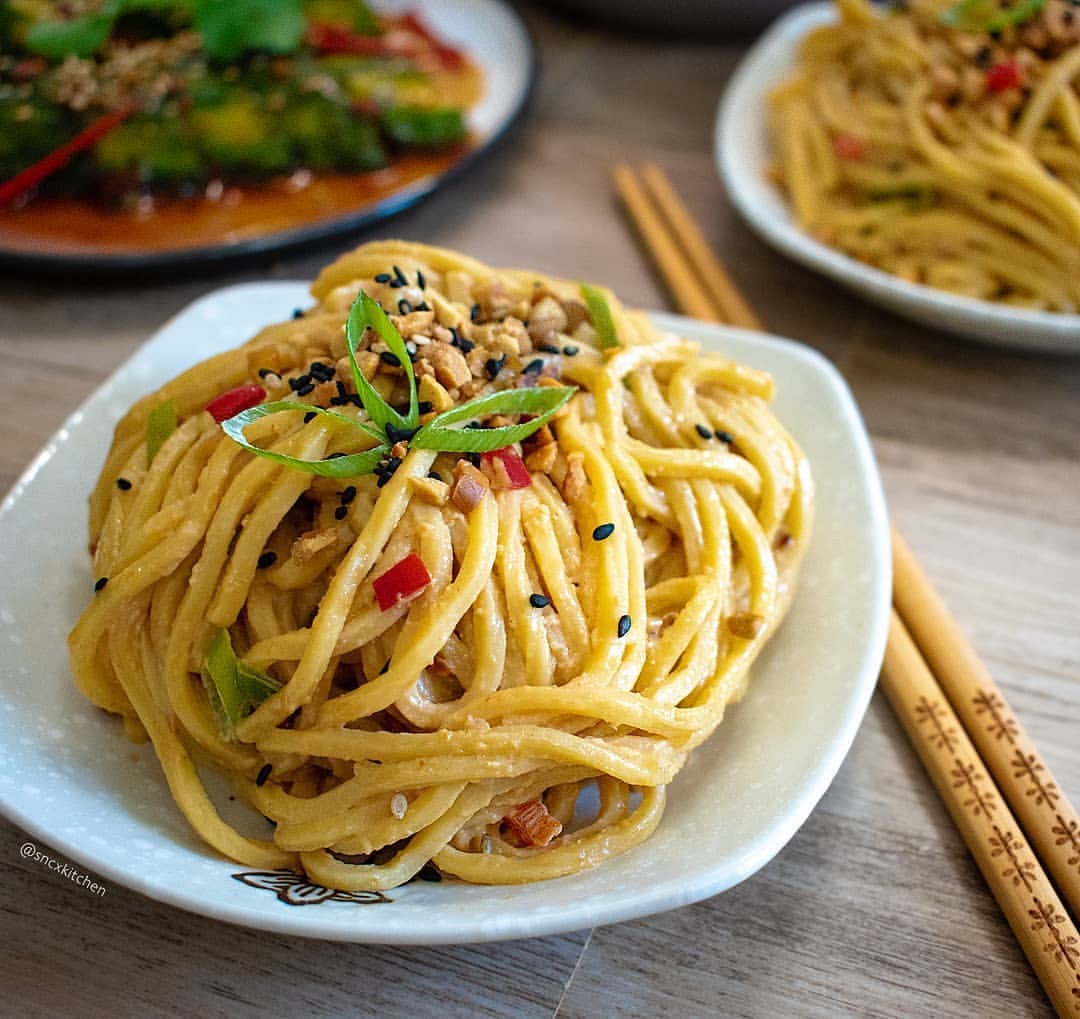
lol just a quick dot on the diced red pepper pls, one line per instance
(1004, 76)
(532, 823)
(449, 57)
(230, 404)
(401, 582)
(847, 146)
(34, 174)
(508, 470)
(327, 38)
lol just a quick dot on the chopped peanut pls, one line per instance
(413, 324)
(542, 459)
(311, 543)
(469, 487)
(432, 392)
(746, 624)
(573, 486)
(494, 300)
(430, 490)
(576, 313)
(449, 363)
(547, 317)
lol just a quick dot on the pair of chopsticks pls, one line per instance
(985, 767)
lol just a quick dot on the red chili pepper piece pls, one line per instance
(334, 39)
(1004, 76)
(449, 57)
(401, 582)
(517, 474)
(847, 146)
(34, 174)
(230, 404)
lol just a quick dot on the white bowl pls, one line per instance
(742, 153)
(72, 781)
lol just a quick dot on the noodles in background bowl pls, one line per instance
(412, 631)
(940, 142)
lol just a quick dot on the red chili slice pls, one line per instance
(847, 146)
(513, 467)
(1004, 76)
(230, 404)
(34, 174)
(403, 581)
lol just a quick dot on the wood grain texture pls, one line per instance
(874, 908)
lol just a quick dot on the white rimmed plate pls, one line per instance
(71, 780)
(742, 152)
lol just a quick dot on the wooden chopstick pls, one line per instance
(1018, 882)
(1018, 768)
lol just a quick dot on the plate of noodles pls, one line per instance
(946, 188)
(411, 619)
(154, 133)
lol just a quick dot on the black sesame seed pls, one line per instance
(354, 399)
(539, 601)
(322, 371)
(494, 365)
(474, 313)
(298, 313)
(263, 372)
(342, 392)
(424, 407)
(100, 583)
(703, 431)
(983, 58)
(383, 479)
(309, 416)
(400, 277)
(383, 277)
(395, 434)
(266, 560)
(534, 367)
(389, 357)
(341, 512)
(404, 307)
(264, 774)
(422, 306)
(420, 281)
(298, 383)
(624, 626)
(603, 532)
(547, 348)
(348, 495)
(306, 389)
(123, 484)
(570, 351)
(725, 436)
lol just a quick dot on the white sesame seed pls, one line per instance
(398, 805)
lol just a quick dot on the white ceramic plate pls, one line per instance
(742, 151)
(72, 781)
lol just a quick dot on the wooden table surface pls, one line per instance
(874, 908)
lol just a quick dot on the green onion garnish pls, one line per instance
(600, 313)
(159, 426)
(989, 15)
(364, 313)
(541, 401)
(234, 689)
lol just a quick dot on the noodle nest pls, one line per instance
(519, 715)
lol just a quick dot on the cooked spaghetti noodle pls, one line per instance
(940, 142)
(594, 595)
